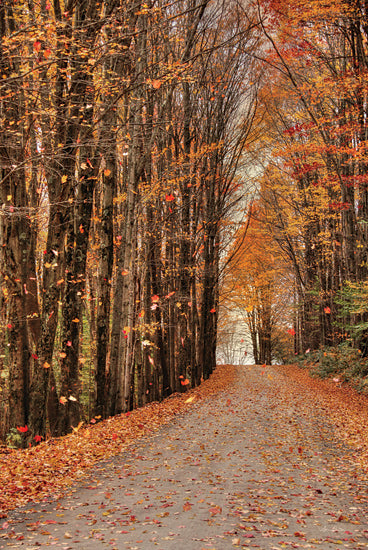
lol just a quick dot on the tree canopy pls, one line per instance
(135, 137)
(121, 132)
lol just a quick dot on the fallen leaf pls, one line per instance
(190, 399)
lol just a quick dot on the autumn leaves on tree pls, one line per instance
(311, 164)
(129, 131)
(120, 136)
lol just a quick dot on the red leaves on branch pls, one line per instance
(340, 206)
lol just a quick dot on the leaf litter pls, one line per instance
(247, 468)
(46, 471)
(343, 405)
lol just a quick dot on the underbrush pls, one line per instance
(343, 363)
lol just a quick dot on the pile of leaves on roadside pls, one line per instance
(344, 406)
(344, 362)
(38, 473)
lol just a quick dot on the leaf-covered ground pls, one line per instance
(344, 406)
(276, 460)
(51, 467)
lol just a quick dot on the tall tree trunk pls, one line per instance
(70, 129)
(106, 261)
(16, 227)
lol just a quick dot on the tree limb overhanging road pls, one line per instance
(259, 465)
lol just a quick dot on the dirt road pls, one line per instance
(257, 466)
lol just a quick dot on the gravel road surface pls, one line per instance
(256, 466)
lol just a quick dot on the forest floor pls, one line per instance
(258, 457)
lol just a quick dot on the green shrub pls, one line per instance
(14, 439)
(342, 361)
